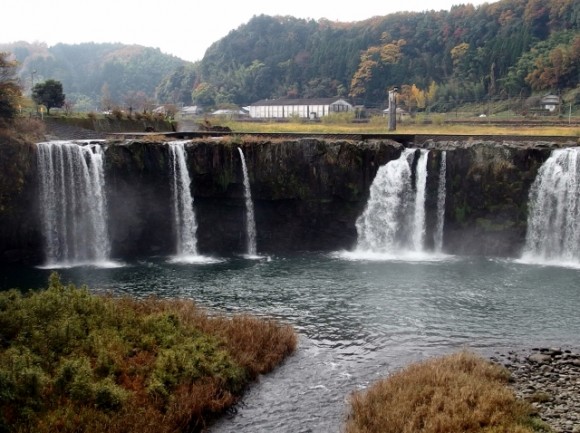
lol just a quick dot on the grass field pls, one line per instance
(379, 126)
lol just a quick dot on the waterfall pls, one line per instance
(73, 203)
(441, 194)
(554, 210)
(250, 221)
(184, 222)
(419, 203)
(394, 218)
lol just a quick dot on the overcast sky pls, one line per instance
(184, 28)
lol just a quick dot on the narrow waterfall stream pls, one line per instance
(184, 222)
(441, 194)
(553, 233)
(251, 248)
(394, 218)
(418, 226)
(73, 203)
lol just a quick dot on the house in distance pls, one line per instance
(550, 103)
(311, 108)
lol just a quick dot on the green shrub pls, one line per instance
(72, 361)
(109, 396)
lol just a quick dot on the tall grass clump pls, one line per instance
(438, 119)
(338, 118)
(72, 361)
(460, 393)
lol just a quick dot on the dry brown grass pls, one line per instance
(460, 393)
(379, 126)
(257, 344)
(25, 129)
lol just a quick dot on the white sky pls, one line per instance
(184, 28)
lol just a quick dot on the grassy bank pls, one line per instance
(71, 361)
(460, 393)
(378, 125)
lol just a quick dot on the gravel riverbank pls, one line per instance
(549, 378)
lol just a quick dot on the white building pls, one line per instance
(190, 111)
(550, 102)
(307, 108)
(230, 113)
(401, 114)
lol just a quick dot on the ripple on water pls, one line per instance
(358, 319)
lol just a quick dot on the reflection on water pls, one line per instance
(359, 318)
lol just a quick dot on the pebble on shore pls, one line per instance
(548, 378)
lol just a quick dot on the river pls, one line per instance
(358, 319)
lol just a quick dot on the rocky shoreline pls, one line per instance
(549, 378)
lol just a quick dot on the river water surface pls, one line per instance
(358, 319)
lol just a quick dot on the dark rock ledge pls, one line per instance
(549, 378)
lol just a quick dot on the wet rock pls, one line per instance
(548, 378)
(539, 358)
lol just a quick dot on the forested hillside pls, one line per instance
(97, 76)
(437, 59)
(507, 48)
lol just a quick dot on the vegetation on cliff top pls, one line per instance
(459, 393)
(10, 91)
(72, 361)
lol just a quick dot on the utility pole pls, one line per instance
(32, 86)
(393, 109)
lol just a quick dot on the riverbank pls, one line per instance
(72, 361)
(548, 378)
(457, 393)
(536, 390)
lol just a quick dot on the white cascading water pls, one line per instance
(441, 195)
(419, 205)
(73, 203)
(553, 233)
(185, 224)
(251, 249)
(394, 218)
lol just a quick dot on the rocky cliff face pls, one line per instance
(307, 194)
(20, 231)
(487, 186)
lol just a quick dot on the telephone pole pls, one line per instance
(393, 109)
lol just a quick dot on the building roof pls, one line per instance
(550, 99)
(228, 112)
(301, 101)
(190, 109)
